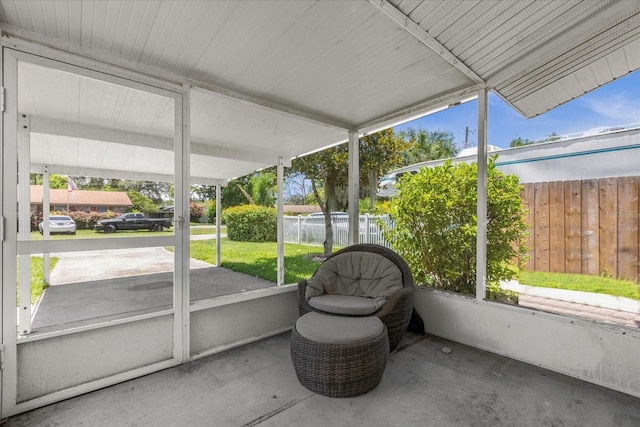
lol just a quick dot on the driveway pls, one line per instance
(75, 267)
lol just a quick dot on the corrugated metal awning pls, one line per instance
(284, 78)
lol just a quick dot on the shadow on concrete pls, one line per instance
(83, 303)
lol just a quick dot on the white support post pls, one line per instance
(218, 224)
(354, 187)
(181, 291)
(46, 233)
(280, 214)
(481, 237)
(24, 223)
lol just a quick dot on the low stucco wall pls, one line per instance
(603, 354)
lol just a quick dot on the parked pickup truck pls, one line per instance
(132, 221)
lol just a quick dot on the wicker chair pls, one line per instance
(395, 312)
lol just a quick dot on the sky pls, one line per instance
(615, 104)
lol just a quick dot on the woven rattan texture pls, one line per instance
(396, 312)
(339, 370)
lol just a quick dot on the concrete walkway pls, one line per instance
(600, 307)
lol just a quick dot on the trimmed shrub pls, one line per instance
(435, 225)
(251, 223)
(195, 212)
(84, 220)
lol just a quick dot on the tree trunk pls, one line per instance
(326, 208)
(373, 187)
(246, 195)
(330, 198)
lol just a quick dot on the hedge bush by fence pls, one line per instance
(435, 225)
(251, 223)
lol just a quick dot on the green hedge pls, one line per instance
(251, 223)
(84, 220)
(434, 214)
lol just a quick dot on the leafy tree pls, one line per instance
(429, 146)
(552, 137)
(379, 153)
(55, 181)
(263, 188)
(298, 188)
(141, 203)
(519, 142)
(328, 171)
(328, 168)
(435, 227)
(158, 192)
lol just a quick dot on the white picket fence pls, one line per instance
(311, 230)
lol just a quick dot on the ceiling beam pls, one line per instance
(77, 130)
(413, 28)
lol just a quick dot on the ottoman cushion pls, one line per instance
(325, 329)
(339, 356)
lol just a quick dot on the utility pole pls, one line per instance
(466, 137)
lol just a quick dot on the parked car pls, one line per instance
(132, 221)
(59, 224)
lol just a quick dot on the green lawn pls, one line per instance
(579, 282)
(207, 229)
(37, 277)
(259, 259)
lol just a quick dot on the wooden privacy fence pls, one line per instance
(585, 226)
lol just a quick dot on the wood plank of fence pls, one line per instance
(557, 259)
(541, 226)
(573, 226)
(527, 202)
(608, 193)
(590, 227)
(584, 227)
(628, 220)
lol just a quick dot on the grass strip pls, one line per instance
(260, 259)
(581, 282)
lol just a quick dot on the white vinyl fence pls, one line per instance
(311, 229)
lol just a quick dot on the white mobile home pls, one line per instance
(607, 153)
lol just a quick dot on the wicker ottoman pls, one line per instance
(339, 356)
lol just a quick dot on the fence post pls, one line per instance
(299, 229)
(367, 229)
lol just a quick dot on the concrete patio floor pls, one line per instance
(255, 385)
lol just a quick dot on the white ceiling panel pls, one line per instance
(283, 78)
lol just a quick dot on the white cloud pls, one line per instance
(616, 108)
